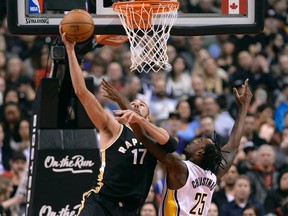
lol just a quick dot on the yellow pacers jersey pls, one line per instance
(193, 198)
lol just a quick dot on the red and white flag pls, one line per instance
(234, 7)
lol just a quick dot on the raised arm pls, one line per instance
(96, 113)
(112, 94)
(175, 167)
(231, 148)
(157, 133)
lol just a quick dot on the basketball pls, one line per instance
(78, 25)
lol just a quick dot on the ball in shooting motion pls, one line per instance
(78, 25)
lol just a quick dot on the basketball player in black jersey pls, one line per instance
(190, 184)
(127, 167)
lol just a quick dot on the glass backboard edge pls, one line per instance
(256, 27)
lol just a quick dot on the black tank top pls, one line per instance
(127, 169)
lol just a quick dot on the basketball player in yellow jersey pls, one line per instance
(190, 184)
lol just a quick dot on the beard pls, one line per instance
(160, 95)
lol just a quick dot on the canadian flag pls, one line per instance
(234, 7)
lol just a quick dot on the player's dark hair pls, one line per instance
(212, 158)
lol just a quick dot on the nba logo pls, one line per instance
(35, 6)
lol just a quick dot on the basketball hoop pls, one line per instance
(147, 24)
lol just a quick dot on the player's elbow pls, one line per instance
(163, 140)
(80, 91)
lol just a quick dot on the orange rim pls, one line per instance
(143, 21)
(137, 5)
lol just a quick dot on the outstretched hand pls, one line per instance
(127, 116)
(68, 44)
(110, 92)
(243, 99)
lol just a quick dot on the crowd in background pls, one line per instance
(192, 98)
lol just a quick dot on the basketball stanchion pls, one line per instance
(147, 24)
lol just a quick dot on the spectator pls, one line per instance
(250, 158)
(275, 43)
(23, 144)
(280, 144)
(187, 126)
(2, 89)
(97, 70)
(4, 158)
(198, 86)
(131, 87)
(260, 98)
(213, 210)
(15, 69)
(3, 62)
(114, 75)
(152, 197)
(195, 44)
(197, 106)
(172, 125)
(6, 188)
(263, 114)
(126, 61)
(107, 54)
(241, 154)
(12, 116)
(263, 175)
(262, 75)
(17, 163)
(250, 210)
(37, 55)
(171, 53)
(243, 71)
(223, 121)
(207, 129)
(44, 68)
(280, 110)
(148, 209)
(214, 77)
(179, 79)
(26, 95)
(275, 199)
(10, 95)
(161, 105)
(281, 70)
(201, 56)
(225, 60)
(242, 193)
(265, 122)
(250, 131)
(226, 193)
(18, 201)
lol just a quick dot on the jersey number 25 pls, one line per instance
(198, 208)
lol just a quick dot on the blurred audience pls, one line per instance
(192, 98)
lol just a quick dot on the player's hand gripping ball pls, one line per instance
(78, 25)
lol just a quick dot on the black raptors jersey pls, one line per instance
(127, 169)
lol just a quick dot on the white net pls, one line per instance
(148, 25)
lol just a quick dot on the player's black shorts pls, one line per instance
(99, 205)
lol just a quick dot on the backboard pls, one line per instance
(195, 17)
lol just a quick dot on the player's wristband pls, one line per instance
(171, 145)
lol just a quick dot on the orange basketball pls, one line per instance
(78, 25)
